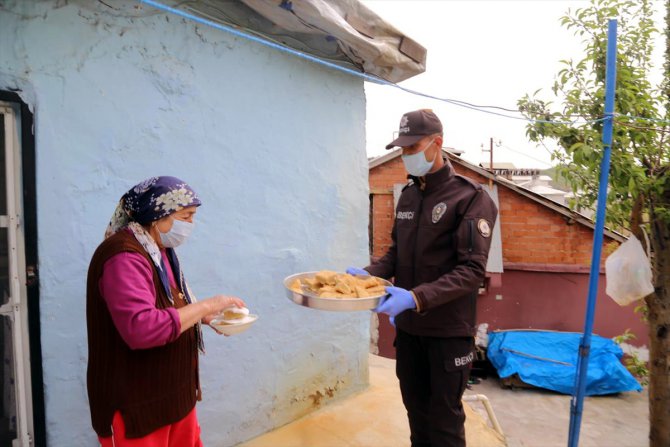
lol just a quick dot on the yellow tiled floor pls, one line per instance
(373, 417)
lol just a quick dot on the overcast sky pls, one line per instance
(482, 52)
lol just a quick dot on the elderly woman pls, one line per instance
(144, 323)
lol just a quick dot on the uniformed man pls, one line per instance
(441, 239)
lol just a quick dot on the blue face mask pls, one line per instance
(179, 232)
(416, 164)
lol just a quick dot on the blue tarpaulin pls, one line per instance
(549, 360)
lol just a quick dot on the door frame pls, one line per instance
(29, 271)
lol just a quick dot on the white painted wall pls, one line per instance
(275, 147)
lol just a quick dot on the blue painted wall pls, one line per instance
(275, 147)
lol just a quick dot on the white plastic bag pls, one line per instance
(628, 273)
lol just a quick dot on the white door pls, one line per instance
(16, 426)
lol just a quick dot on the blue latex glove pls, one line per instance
(357, 271)
(392, 321)
(399, 300)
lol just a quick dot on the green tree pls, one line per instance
(639, 178)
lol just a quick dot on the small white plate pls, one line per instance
(233, 328)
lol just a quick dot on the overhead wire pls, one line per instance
(365, 76)
(250, 35)
(228, 21)
(488, 107)
(525, 155)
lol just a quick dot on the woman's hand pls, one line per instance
(221, 302)
(205, 310)
(218, 303)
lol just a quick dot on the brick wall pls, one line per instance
(382, 178)
(531, 232)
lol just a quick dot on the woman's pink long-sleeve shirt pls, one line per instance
(128, 288)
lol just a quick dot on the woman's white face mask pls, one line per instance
(179, 232)
(416, 164)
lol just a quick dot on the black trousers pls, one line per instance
(433, 373)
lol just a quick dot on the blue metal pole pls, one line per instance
(577, 401)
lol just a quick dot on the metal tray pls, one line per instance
(334, 304)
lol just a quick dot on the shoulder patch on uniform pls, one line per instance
(438, 211)
(484, 228)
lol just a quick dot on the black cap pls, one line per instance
(414, 126)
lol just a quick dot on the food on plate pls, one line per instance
(234, 315)
(329, 284)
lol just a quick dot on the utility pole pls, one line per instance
(491, 163)
(490, 151)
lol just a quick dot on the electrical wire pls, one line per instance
(228, 21)
(488, 107)
(365, 76)
(525, 155)
(249, 35)
(262, 41)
